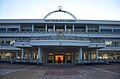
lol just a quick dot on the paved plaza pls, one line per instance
(22, 71)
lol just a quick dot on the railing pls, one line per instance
(6, 44)
(36, 61)
(54, 38)
(67, 32)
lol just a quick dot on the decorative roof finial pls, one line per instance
(60, 7)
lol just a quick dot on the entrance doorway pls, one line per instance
(59, 59)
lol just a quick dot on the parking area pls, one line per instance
(22, 71)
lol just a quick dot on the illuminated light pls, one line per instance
(108, 42)
(105, 57)
(8, 54)
(18, 57)
(100, 57)
(12, 42)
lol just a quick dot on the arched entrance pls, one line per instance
(59, 59)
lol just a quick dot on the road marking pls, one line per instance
(104, 70)
(7, 71)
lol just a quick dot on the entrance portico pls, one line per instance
(59, 54)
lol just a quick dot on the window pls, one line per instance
(2, 29)
(106, 30)
(1, 42)
(116, 30)
(13, 29)
(7, 43)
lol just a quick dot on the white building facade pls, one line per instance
(59, 41)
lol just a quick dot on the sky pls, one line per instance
(81, 9)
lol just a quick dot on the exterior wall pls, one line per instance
(91, 40)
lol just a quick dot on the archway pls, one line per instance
(60, 10)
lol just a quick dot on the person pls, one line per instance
(59, 60)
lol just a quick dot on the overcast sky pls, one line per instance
(82, 9)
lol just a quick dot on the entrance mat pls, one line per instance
(61, 72)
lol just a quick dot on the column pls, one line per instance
(115, 56)
(71, 57)
(46, 56)
(90, 55)
(19, 28)
(108, 54)
(102, 55)
(65, 28)
(34, 56)
(86, 28)
(32, 27)
(53, 58)
(99, 29)
(46, 27)
(96, 54)
(6, 29)
(84, 56)
(80, 55)
(16, 55)
(65, 58)
(3, 55)
(30, 55)
(39, 55)
(74, 57)
(73, 28)
(22, 54)
(54, 27)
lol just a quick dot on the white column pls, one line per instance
(65, 28)
(108, 54)
(99, 29)
(46, 56)
(115, 56)
(84, 56)
(65, 58)
(96, 54)
(10, 55)
(19, 28)
(32, 27)
(102, 55)
(22, 54)
(39, 55)
(46, 27)
(16, 55)
(54, 27)
(71, 57)
(6, 29)
(53, 58)
(80, 55)
(86, 28)
(3, 55)
(75, 57)
(90, 55)
(34, 56)
(73, 28)
(30, 55)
